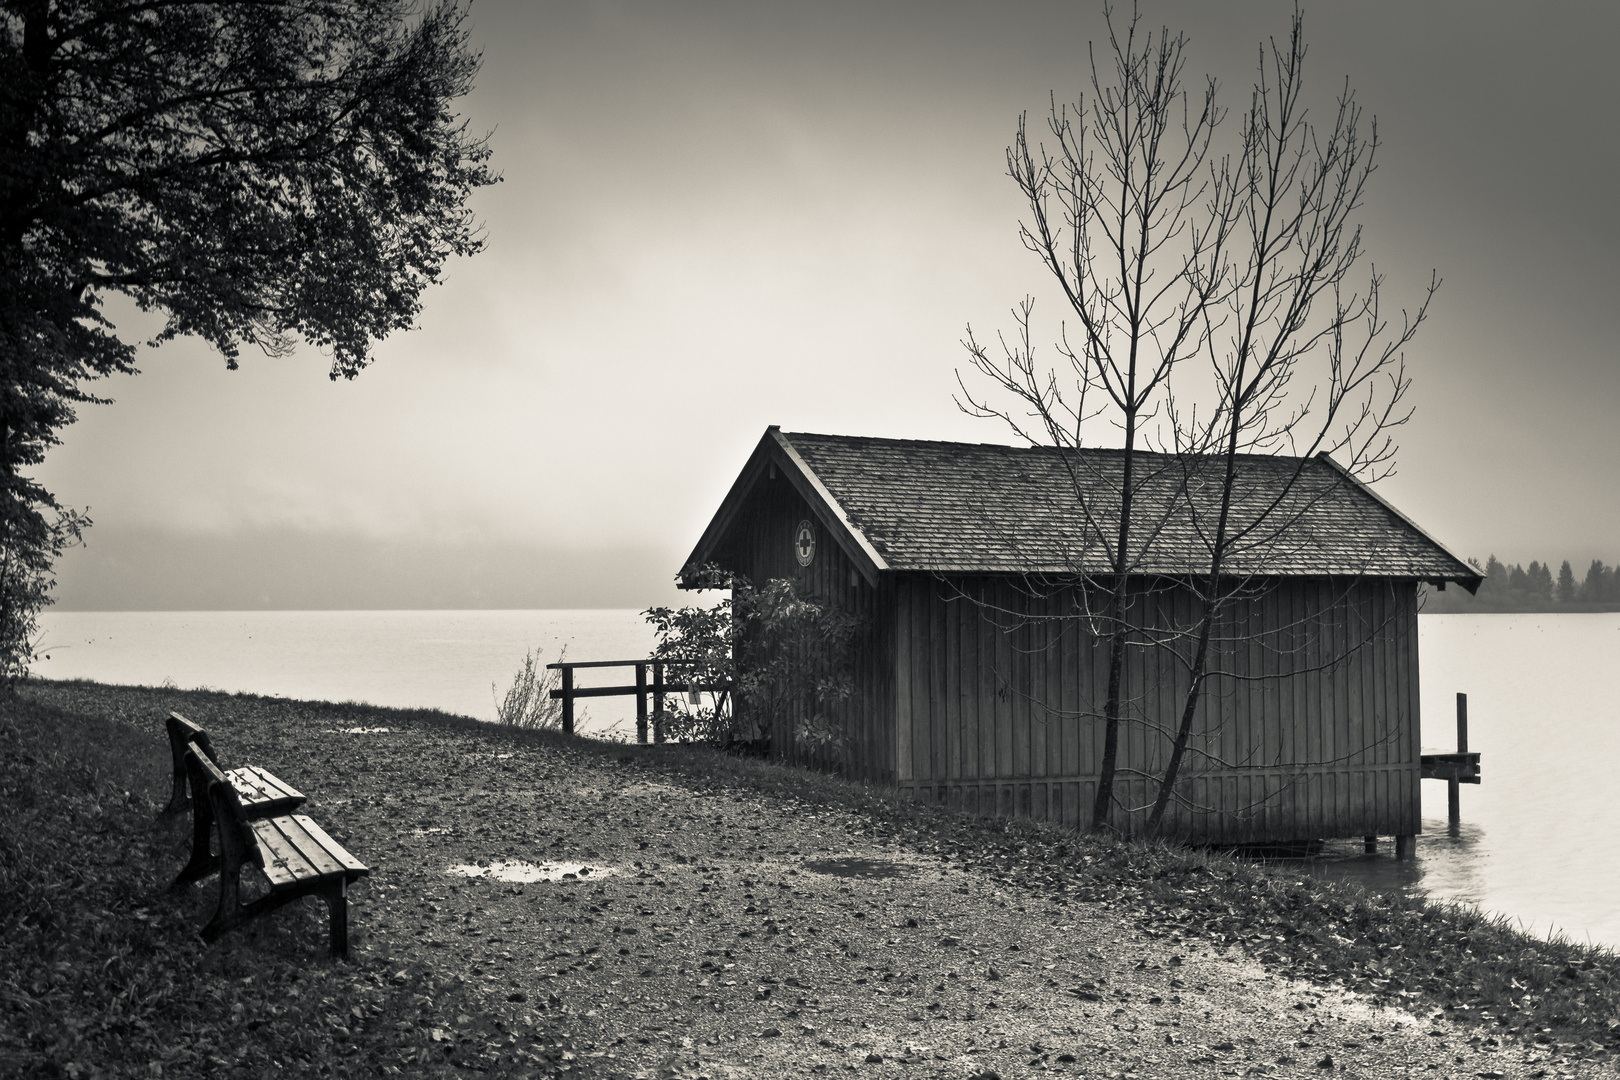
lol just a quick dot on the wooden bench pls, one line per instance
(260, 793)
(295, 854)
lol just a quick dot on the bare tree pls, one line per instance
(1118, 214)
(1230, 323)
(1301, 360)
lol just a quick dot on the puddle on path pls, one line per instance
(527, 873)
(360, 731)
(859, 868)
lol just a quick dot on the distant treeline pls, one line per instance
(1532, 588)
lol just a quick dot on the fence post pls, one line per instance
(568, 700)
(658, 703)
(1454, 786)
(641, 703)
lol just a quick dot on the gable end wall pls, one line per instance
(759, 546)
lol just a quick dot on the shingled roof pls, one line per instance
(956, 508)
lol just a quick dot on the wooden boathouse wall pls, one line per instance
(975, 688)
(762, 549)
(984, 693)
(1309, 730)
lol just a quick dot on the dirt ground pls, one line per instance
(711, 931)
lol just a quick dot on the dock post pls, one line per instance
(568, 700)
(1453, 785)
(1369, 844)
(658, 703)
(641, 703)
(1403, 847)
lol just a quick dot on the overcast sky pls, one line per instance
(719, 217)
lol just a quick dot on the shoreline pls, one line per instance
(1346, 965)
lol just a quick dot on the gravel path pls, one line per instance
(709, 932)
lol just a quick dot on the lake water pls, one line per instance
(1539, 842)
(1540, 837)
(429, 659)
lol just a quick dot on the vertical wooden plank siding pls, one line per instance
(1308, 727)
(989, 691)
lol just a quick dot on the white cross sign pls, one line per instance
(804, 543)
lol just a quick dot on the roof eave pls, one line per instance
(1469, 580)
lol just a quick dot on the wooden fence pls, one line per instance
(656, 688)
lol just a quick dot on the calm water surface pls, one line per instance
(1540, 839)
(429, 659)
(1540, 836)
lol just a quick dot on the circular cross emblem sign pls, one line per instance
(804, 543)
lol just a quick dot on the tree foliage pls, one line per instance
(694, 642)
(259, 171)
(1517, 587)
(787, 659)
(1566, 583)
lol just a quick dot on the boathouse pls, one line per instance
(981, 671)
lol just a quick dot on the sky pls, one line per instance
(717, 217)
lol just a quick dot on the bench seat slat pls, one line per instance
(261, 792)
(331, 847)
(280, 860)
(295, 829)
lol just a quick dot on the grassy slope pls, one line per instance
(100, 970)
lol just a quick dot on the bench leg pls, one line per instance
(203, 859)
(178, 801)
(337, 903)
(229, 913)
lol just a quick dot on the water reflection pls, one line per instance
(1446, 865)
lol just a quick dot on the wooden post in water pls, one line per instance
(658, 703)
(641, 703)
(568, 700)
(1453, 785)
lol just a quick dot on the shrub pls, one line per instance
(786, 656)
(528, 702)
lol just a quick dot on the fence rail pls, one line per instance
(656, 688)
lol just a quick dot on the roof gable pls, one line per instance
(981, 508)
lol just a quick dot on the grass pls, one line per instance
(101, 972)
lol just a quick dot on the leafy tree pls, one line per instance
(695, 644)
(795, 667)
(261, 172)
(787, 657)
(1566, 583)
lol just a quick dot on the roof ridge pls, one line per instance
(1033, 447)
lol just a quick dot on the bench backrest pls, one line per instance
(183, 732)
(223, 808)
